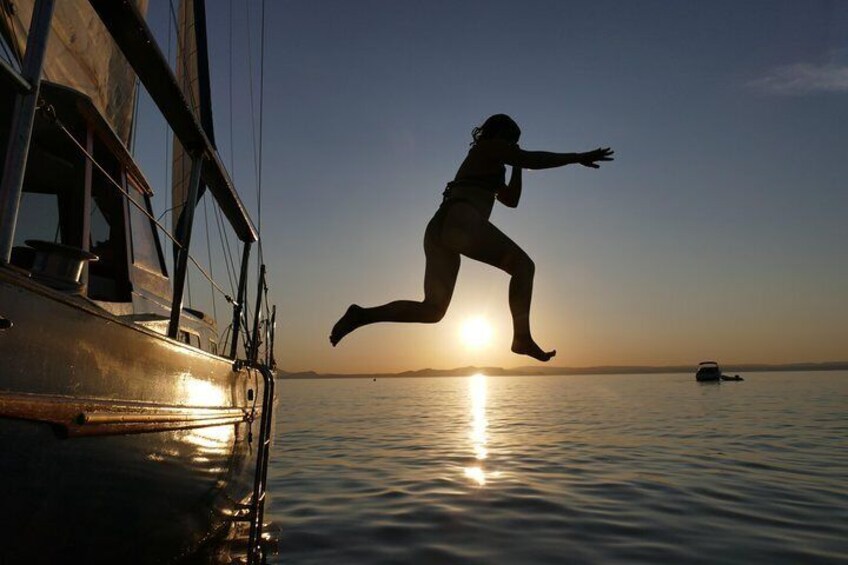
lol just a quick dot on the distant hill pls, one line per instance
(546, 370)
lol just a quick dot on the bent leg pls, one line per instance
(480, 240)
(439, 280)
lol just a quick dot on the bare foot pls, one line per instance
(526, 346)
(351, 320)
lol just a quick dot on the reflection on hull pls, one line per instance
(127, 446)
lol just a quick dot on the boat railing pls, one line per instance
(264, 321)
(256, 513)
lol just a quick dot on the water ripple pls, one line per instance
(579, 469)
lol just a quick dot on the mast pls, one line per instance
(192, 71)
(136, 41)
(192, 68)
(19, 137)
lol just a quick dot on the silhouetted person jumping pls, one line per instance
(461, 227)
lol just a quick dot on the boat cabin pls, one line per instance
(708, 371)
(84, 222)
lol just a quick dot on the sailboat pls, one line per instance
(132, 430)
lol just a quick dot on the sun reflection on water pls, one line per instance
(478, 436)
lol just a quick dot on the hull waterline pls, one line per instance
(120, 445)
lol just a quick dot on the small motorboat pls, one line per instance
(733, 378)
(708, 371)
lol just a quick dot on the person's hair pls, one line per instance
(499, 126)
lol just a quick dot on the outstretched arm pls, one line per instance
(591, 158)
(513, 155)
(511, 194)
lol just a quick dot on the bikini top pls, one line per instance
(491, 182)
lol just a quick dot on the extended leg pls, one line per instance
(480, 240)
(439, 281)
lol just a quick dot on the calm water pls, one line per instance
(572, 469)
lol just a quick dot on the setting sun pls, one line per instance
(476, 332)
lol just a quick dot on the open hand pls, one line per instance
(591, 158)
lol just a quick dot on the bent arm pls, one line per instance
(511, 194)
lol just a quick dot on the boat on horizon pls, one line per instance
(132, 428)
(708, 371)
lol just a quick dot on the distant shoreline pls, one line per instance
(729, 369)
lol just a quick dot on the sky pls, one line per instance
(718, 232)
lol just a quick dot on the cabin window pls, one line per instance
(108, 276)
(51, 201)
(146, 251)
(190, 339)
(38, 218)
(100, 229)
(44, 215)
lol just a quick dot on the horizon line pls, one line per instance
(529, 370)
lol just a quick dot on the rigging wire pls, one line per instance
(16, 57)
(250, 87)
(230, 98)
(252, 136)
(135, 116)
(181, 48)
(263, 292)
(181, 61)
(261, 123)
(138, 206)
(8, 57)
(168, 149)
(256, 149)
(209, 254)
(188, 286)
(193, 100)
(226, 252)
(257, 140)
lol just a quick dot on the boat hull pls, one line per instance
(708, 378)
(708, 372)
(127, 446)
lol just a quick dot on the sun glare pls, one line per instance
(476, 332)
